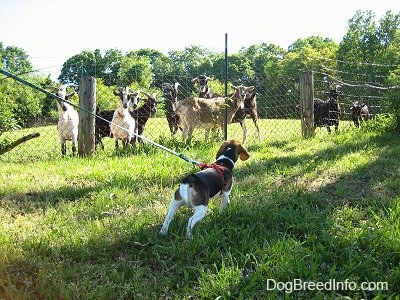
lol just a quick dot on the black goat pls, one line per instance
(102, 127)
(327, 113)
(205, 90)
(250, 108)
(170, 93)
(144, 112)
(359, 113)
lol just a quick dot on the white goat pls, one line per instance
(196, 112)
(122, 118)
(68, 120)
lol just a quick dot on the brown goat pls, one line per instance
(196, 112)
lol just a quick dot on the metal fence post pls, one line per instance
(87, 101)
(307, 104)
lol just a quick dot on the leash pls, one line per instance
(180, 155)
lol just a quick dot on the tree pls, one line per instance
(14, 59)
(87, 63)
(368, 44)
(111, 63)
(135, 69)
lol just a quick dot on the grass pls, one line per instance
(313, 210)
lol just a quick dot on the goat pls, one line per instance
(123, 125)
(359, 113)
(250, 108)
(143, 113)
(250, 104)
(208, 113)
(327, 113)
(205, 90)
(68, 120)
(102, 127)
(170, 93)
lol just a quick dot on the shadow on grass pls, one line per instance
(282, 229)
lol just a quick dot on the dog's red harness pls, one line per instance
(216, 167)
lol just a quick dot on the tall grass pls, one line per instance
(322, 210)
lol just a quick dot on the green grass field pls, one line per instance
(47, 146)
(309, 219)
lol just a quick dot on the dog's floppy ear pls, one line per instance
(243, 154)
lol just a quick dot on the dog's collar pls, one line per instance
(226, 161)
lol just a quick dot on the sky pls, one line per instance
(51, 31)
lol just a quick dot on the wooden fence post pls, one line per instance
(87, 101)
(307, 104)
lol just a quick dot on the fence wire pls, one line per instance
(278, 103)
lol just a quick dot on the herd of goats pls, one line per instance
(128, 121)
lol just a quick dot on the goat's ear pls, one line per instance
(194, 80)
(250, 88)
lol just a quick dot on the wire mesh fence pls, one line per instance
(278, 110)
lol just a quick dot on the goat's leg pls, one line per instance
(206, 134)
(244, 129)
(329, 129)
(63, 148)
(100, 142)
(199, 214)
(258, 129)
(74, 142)
(336, 127)
(187, 134)
(173, 207)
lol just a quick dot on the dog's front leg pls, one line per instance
(198, 215)
(173, 207)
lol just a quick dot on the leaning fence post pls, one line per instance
(87, 111)
(307, 104)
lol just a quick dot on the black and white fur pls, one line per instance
(196, 189)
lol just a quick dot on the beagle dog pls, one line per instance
(214, 179)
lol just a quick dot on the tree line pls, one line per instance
(369, 52)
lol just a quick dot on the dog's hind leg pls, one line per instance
(199, 214)
(173, 207)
